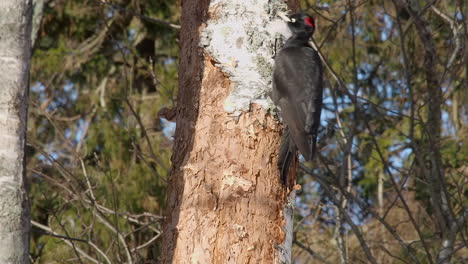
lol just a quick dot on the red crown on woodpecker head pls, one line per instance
(309, 21)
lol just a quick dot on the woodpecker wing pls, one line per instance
(297, 90)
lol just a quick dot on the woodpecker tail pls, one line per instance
(286, 155)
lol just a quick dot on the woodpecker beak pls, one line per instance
(283, 16)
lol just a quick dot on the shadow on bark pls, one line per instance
(194, 14)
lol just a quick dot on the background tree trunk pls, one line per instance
(226, 203)
(15, 49)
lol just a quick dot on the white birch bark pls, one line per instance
(15, 53)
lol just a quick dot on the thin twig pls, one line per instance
(310, 251)
(323, 182)
(67, 240)
(143, 17)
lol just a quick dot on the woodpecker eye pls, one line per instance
(309, 21)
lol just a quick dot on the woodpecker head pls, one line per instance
(300, 23)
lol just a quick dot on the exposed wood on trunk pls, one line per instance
(231, 202)
(225, 202)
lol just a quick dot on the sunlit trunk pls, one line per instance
(226, 203)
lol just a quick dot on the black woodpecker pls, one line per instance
(297, 91)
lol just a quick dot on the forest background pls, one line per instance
(104, 83)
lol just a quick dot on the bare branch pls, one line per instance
(143, 17)
(67, 239)
(313, 254)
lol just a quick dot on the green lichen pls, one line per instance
(264, 66)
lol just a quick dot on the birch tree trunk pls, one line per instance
(226, 203)
(15, 49)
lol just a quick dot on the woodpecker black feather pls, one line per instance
(297, 91)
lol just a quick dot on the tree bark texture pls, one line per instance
(15, 49)
(226, 203)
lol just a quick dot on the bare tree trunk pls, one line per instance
(15, 49)
(38, 12)
(435, 172)
(226, 203)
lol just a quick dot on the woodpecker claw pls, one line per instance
(284, 16)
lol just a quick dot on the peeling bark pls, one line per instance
(226, 203)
